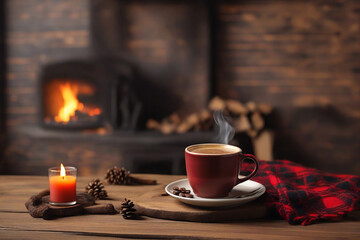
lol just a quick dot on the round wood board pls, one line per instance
(154, 204)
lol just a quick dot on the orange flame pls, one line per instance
(62, 171)
(71, 103)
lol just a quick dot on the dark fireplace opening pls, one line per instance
(88, 93)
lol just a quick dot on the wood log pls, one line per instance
(251, 106)
(217, 104)
(183, 128)
(167, 127)
(263, 145)
(257, 121)
(205, 120)
(174, 118)
(265, 108)
(169, 124)
(242, 124)
(252, 133)
(188, 123)
(193, 119)
(152, 124)
(236, 107)
(204, 115)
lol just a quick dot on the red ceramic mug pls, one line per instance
(213, 168)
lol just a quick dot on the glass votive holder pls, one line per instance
(62, 181)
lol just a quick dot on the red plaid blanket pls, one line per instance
(304, 195)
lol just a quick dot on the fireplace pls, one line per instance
(93, 110)
(85, 94)
(71, 96)
(71, 102)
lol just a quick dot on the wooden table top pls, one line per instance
(16, 223)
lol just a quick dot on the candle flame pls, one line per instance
(62, 171)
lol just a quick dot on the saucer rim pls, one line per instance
(215, 200)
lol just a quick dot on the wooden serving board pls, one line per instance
(155, 204)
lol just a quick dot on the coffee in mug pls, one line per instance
(213, 168)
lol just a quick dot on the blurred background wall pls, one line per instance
(2, 84)
(302, 57)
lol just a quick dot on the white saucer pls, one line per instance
(243, 193)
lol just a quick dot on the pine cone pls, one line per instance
(96, 189)
(119, 176)
(127, 209)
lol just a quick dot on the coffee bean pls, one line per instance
(182, 192)
(188, 195)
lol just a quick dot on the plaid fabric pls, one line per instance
(304, 195)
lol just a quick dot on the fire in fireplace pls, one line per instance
(71, 96)
(70, 101)
(89, 94)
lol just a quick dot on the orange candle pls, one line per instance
(62, 185)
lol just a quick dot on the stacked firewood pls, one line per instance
(248, 118)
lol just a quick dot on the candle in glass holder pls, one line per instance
(62, 185)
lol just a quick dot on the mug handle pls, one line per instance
(253, 158)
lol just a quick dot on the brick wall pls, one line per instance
(302, 57)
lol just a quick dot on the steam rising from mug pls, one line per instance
(225, 131)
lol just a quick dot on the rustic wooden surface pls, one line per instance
(154, 204)
(16, 223)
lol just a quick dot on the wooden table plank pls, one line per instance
(16, 190)
(156, 228)
(15, 223)
(27, 235)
